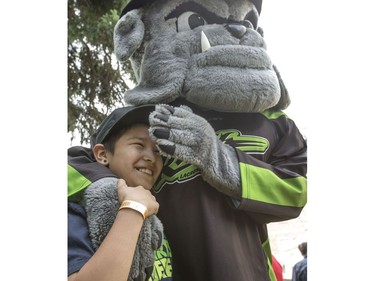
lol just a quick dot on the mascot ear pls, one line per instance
(128, 34)
(284, 97)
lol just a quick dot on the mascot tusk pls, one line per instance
(205, 44)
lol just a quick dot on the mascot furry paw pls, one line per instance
(234, 160)
(186, 136)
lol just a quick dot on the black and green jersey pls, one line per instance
(215, 238)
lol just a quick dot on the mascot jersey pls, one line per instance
(213, 237)
(223, 239)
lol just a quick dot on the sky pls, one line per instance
(325, 53)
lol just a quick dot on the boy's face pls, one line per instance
(136, 158)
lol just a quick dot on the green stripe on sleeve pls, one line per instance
(76, 182)
(276, 190)
(267, 250)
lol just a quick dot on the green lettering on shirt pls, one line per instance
(163, 263)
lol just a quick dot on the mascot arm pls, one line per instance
(277, 190)
(268, 191)
(182, 134)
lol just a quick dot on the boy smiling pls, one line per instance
(114, 234)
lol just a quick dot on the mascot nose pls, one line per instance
(238, 29)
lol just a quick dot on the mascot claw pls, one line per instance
(167, 149)
(161, 133)
(162, 117)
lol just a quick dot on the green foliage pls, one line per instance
(96, 80)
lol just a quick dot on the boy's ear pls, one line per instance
(100, 154)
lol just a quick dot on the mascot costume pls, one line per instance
(233, 160)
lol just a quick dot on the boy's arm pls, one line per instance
(113, 258)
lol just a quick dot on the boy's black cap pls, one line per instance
(121, 118)
(135, 4)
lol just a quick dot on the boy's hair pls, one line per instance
(116, 123)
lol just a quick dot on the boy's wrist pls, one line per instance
(136, 206)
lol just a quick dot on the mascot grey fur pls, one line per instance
(234, 160)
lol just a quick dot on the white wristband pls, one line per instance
(129, 204)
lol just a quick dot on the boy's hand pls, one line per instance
(138, 194)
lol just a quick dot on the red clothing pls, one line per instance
(277, 268)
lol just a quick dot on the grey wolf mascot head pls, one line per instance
(210, 53)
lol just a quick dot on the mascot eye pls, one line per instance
(189, 20)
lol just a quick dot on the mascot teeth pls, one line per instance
(205, 44)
